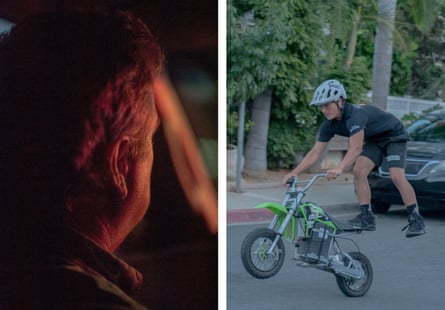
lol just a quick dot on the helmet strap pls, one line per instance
(341, 108)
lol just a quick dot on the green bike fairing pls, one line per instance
(281, 211)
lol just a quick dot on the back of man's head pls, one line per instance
(70, 84)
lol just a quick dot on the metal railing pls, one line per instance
(400, 106)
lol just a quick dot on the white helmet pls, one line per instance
(328, 91)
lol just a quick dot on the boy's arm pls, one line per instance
(354, 151)
(308, 161)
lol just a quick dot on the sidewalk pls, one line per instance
(336, 196)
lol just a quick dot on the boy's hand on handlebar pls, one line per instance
(287, 177)
(333, 173)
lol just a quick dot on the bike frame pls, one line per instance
(315, 235)
(295, 218)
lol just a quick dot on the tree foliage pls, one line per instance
(270, 44)
(428, 70)
(274, 44)
(290, 46)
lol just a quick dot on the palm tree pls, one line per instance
(422, 12)
(381, 68)
(256, 148)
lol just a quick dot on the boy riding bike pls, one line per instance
(373, 135)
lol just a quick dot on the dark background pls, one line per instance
(172, 247)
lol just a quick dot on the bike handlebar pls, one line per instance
(293, 181)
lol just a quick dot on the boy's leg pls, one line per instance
(403, 186)
(362, 168)
(396, 160)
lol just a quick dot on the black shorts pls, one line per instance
(393, 152)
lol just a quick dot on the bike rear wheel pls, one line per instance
(357, 287)
(255, 258)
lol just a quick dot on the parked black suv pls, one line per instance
(425, 167)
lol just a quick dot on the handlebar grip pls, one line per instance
(291, 180)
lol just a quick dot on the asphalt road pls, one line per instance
(408, 273)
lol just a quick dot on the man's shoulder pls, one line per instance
(361, 112)
(69, 287)
(369, 108)
(356, 108)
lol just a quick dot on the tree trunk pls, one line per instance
(381, 67)
(352, 44)
(255, 163)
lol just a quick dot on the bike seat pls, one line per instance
(343, 226)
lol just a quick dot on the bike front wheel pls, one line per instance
(255, 257)
(357, 287)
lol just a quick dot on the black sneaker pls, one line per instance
(365, 221)
(416, 226)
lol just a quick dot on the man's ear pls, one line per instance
(118, 160)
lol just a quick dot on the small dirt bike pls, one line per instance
(315, 234)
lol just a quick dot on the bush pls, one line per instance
(291, 136)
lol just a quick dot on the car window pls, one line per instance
(418, 125)
(432, 132)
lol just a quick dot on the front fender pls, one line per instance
(281, 212)
(276, 208)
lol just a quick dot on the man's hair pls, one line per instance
(71, 84)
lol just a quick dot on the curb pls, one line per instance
(263, 215)
(249, 216)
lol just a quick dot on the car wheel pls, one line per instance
(379, 206)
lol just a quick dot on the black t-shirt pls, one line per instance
(376, 123)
